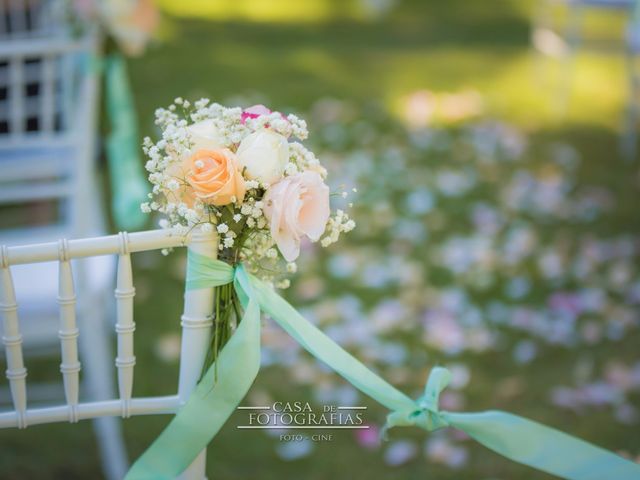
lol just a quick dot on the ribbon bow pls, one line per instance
(214, 400)
(425, 413)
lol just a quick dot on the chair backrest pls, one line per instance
(48, 105)
(196, 325)
(28, 18)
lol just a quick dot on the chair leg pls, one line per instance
(572, 37)
(98, 367)
(196, 471)
(629, 138)
(540, 23)
(108, 431)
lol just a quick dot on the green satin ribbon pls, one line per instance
(128, 183)
(213, 401)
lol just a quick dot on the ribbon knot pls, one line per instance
(204, 272)
(425, 412)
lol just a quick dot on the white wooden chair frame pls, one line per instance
(32, 168)
(78, 131)
(196, 327)
(569, 34)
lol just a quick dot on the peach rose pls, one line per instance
(295, 206)
(214, 176)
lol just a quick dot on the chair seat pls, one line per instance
(51, 164)
(47, 160)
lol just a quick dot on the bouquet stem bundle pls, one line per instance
(228, 313)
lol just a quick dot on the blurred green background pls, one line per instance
(368, 76)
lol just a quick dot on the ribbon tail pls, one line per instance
(324, 348)
(542, 447)
(128, 183)
(209, 406)
(514, 437)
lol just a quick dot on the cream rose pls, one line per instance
(204, 135)
(264, 154)
(214, 176)
(297, 205)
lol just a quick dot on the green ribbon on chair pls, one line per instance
(128, 183)
(213, 401)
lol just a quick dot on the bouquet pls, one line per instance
(129, 24)
(244, 174)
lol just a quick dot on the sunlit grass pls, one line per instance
(516, 85)
(285, 51)
(264, 11)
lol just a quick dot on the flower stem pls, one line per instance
(227, 313)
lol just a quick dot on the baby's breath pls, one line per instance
(243, 230)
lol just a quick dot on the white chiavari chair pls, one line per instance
(49, 189)
(196, 326)
(560, 39)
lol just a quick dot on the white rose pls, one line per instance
(204, 135)
(264, 154)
